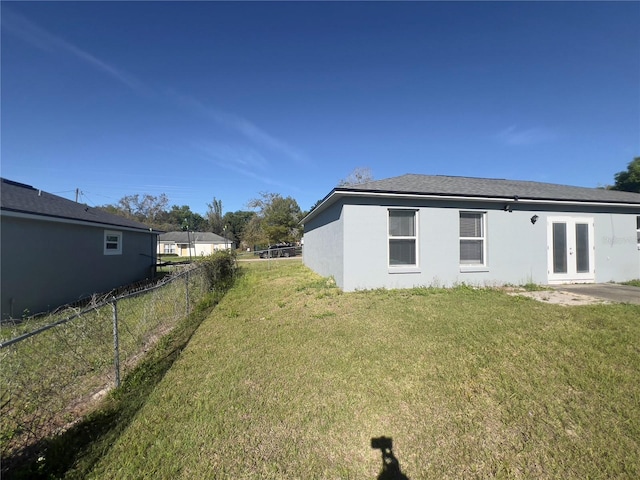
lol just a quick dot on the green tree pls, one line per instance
(628, 180)
(146, 208)
(181, 218)
(236, 223)
(253, 234)
(278, 217)
(214, 216)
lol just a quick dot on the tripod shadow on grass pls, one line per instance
(390, 464)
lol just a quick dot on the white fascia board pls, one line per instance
(490, 199)
(334, 195)
(46, 218)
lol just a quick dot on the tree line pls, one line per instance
(272, 218)
(628, 180)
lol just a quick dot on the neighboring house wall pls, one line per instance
(198, 250)
(52, 262)
(197, 244)
(350, 241)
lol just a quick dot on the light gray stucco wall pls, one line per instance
(617, 255)
(46, 264)
(324, 244)
(516, 249)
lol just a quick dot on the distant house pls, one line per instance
(55, 251)
(421, 230)
(196, 244)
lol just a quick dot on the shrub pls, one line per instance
(220, 269)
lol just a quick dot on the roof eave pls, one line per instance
(337, 193)
(55, 218)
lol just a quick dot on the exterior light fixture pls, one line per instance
(534, 219)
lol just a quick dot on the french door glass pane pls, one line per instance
(559, 248)
(402, 252)
(582, 247)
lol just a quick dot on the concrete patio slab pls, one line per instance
(611, 292)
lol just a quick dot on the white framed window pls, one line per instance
(169, 248)
(473, 239)
(403, 238)
(112, 242)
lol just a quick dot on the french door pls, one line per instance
(570, 249)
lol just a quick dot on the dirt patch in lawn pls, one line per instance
(560, 298)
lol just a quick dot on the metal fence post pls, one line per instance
(116, 343)
(187, 290)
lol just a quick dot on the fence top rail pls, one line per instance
(107, 299)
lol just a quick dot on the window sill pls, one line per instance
(407, 269)
(473, 268)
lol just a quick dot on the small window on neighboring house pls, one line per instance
(472, 239)
(112, 243)
(403, 250)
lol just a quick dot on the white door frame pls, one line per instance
(567, 271)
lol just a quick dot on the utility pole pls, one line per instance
(78, 192)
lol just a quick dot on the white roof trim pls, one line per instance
(335, 194)
(47, 218)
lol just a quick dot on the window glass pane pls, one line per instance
(402, 223)
(559, 248)
(638, 223)
(112, 246)
(582, 247)
(471, 252)
(470, 224)
(402, 252)
(112, 238)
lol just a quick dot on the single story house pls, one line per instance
(195, 244)
(54, 251)
(431, 230)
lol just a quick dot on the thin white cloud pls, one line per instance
(22, 28)
(238, 155)
(522, 137)
(243, 126)
(31, 33)
(239, 159)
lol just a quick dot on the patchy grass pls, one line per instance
(291, 378)
(633, 283)
(73, 453)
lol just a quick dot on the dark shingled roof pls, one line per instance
(18, 197)
(491, 188)
(197, 237)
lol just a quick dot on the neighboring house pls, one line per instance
(195, 244)
(55, 251)
(421, 230)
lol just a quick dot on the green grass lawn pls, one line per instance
(290, 378)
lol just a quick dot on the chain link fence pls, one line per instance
(54, 369)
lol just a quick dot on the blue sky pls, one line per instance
(210, 99)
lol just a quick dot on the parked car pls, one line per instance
(279, 250)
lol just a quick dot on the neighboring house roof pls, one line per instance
(194, 237)
(479, 188)
(24, 199)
